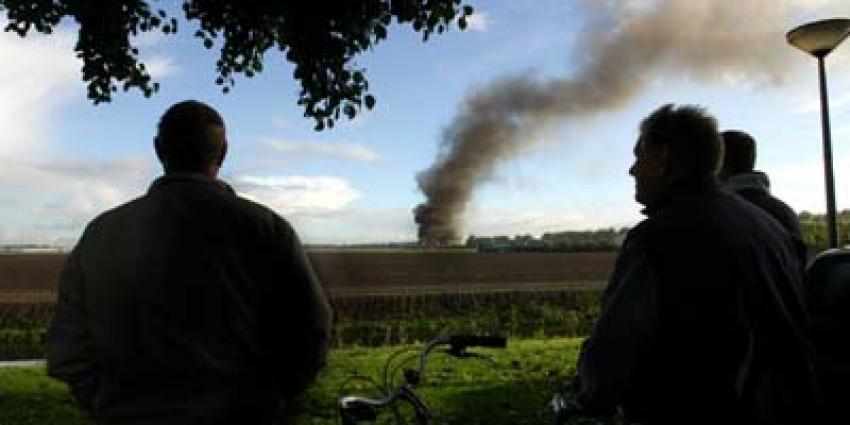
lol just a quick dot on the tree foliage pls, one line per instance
(815, 233)
(813, 228)
(321, 38)
(608, 239)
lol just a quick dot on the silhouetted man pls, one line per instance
(738, 172)
(702, 321)
(188, 305)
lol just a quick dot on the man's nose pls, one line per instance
(632, 169)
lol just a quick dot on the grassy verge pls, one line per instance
(513, 388)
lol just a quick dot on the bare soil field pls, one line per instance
(345, 272)
(30, 271)
(32, 277)
(379, 297)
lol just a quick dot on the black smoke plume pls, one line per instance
(624, 49)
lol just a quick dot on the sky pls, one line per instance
(64, 160)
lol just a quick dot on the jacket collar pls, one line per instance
(682, 189)
(750, 180)
(192, 178)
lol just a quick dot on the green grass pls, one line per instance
(28, 396)
(513, 388)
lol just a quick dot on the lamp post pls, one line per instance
(819, 39)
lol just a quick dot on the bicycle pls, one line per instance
(354, 409)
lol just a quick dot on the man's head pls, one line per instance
(675, 144)
(739, 153)
(191, 139)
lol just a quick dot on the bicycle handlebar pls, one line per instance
(355, 408)
(458, 344)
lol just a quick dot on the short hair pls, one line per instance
(690, 135)
(184, 141)
(739, 152)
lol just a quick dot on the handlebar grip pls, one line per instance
(492, 341)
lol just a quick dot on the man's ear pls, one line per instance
(669, 167)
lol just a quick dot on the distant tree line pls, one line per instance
(28, 248)
(389, 246)
(813, 227)
(608, 239)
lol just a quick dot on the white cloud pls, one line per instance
(148, 39)
(151, 44)
(40, 73)
(357, 226)
(510, 222)
(478, 21)
(396, 224)
(81, 202)
(55, 198)
(112, 168)
(51, 201)
(346, 150)
(801, 184)
(160, 66)
(811, 103)
(297, 195)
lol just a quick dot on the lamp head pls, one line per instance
(819, 38)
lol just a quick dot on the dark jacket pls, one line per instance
(703, 320)
(187, 305)
(754, 186)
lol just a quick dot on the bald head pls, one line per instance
(191, 139)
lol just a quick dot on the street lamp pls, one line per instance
(819, 39)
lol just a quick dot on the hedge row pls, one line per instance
(385, 319)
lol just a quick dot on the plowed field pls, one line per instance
(32, 277)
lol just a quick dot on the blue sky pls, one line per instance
(63, 160)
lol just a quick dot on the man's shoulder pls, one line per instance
(718, 225)
(640, 232)
(767, 201)
(114, 214)
(258, 211)
(708, 216)
(774, 207)
(233, 206)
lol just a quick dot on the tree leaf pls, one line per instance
(323, 51)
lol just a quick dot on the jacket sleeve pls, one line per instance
(621, 336)
(70, 347)
(301, 342)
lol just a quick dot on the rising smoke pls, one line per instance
(625, 45)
